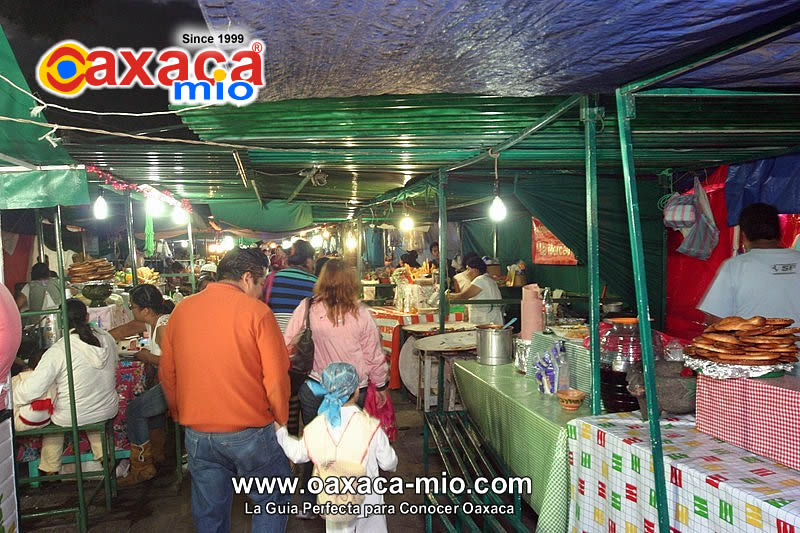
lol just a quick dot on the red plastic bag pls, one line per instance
(384, 414)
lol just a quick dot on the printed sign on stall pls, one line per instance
(548, 249)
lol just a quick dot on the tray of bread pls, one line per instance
(744, 347)
(92, 270)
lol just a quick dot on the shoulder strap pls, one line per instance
(268, 286)
(309, 302)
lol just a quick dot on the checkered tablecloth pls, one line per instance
(527, 429)
(711, 485)
(389, 321)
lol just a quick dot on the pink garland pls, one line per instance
(121, 186)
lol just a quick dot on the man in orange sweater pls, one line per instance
(224, 370)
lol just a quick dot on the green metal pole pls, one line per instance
(40, 235)
(131, 238)
(589, 115)
(442, 250)
(625, 112)
(82, 518)
(191, 254)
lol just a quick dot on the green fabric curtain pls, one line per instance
(560, 203)
(275, 216)
(513, 239)
(149, 236)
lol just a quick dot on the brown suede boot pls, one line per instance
(142, 467)
(157, 438)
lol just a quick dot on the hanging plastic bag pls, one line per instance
(384, 414)
(691, 214)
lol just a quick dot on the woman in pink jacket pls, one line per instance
(344, 332)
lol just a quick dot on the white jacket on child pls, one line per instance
(94, 372)
(34, 414)
(379, 455)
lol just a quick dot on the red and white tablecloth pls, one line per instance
(390, 321)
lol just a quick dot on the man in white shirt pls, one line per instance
(764, 281)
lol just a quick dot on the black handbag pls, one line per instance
(302, 361)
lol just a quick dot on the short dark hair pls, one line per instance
(320, 263)
(477, 262)
(239, 261)
(302, 251)
(468, 256)
(760, 222)
(434, 244)
(40, 271)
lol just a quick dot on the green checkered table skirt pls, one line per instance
(527, 429)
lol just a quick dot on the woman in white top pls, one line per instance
(462, 279)
(482, 287)
(145, 414)
(94, 373)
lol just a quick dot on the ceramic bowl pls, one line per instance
(571, 399)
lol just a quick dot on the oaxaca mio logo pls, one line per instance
(209, 76)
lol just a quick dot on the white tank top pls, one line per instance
(152, 345)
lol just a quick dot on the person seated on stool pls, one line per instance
(94, 372)
(37, 413)
(145, 414)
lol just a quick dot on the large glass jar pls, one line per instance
(620, 348)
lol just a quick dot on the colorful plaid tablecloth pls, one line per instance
(711, 485)
(390, 321)
(527, 429)
(130, 383)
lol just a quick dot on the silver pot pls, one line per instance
(495, 345)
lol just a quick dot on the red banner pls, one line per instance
(548, 249)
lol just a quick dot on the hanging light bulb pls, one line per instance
(153, 206)
(100, 208)
(316, 241)
(406, 223)
(273, 245)
(351, 243)
(286, 244)
(326, 234)
(184, 244)
(497, 211)
(228, 243)
(294, 239)
(179, 216)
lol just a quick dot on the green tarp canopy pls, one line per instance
(33, 188)
(276, 216)
(560, 203)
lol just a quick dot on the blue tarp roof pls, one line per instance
(334, 48)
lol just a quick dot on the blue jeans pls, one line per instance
(143, 412)
(215, 458)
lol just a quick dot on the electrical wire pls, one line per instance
(37, 110)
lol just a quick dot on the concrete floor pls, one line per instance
(155, 506)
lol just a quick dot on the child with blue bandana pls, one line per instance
(347, 435)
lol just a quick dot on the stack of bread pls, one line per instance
(92, 270)
(752, 342)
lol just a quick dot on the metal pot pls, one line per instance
(495, 345)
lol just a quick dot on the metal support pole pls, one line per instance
(40, 236)
(360, 250)
(625, 112)
(589, 115)
(494, 241)
(442, 251)
(82, 516)
(83, 243)
(191, 254)
(131, 239)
